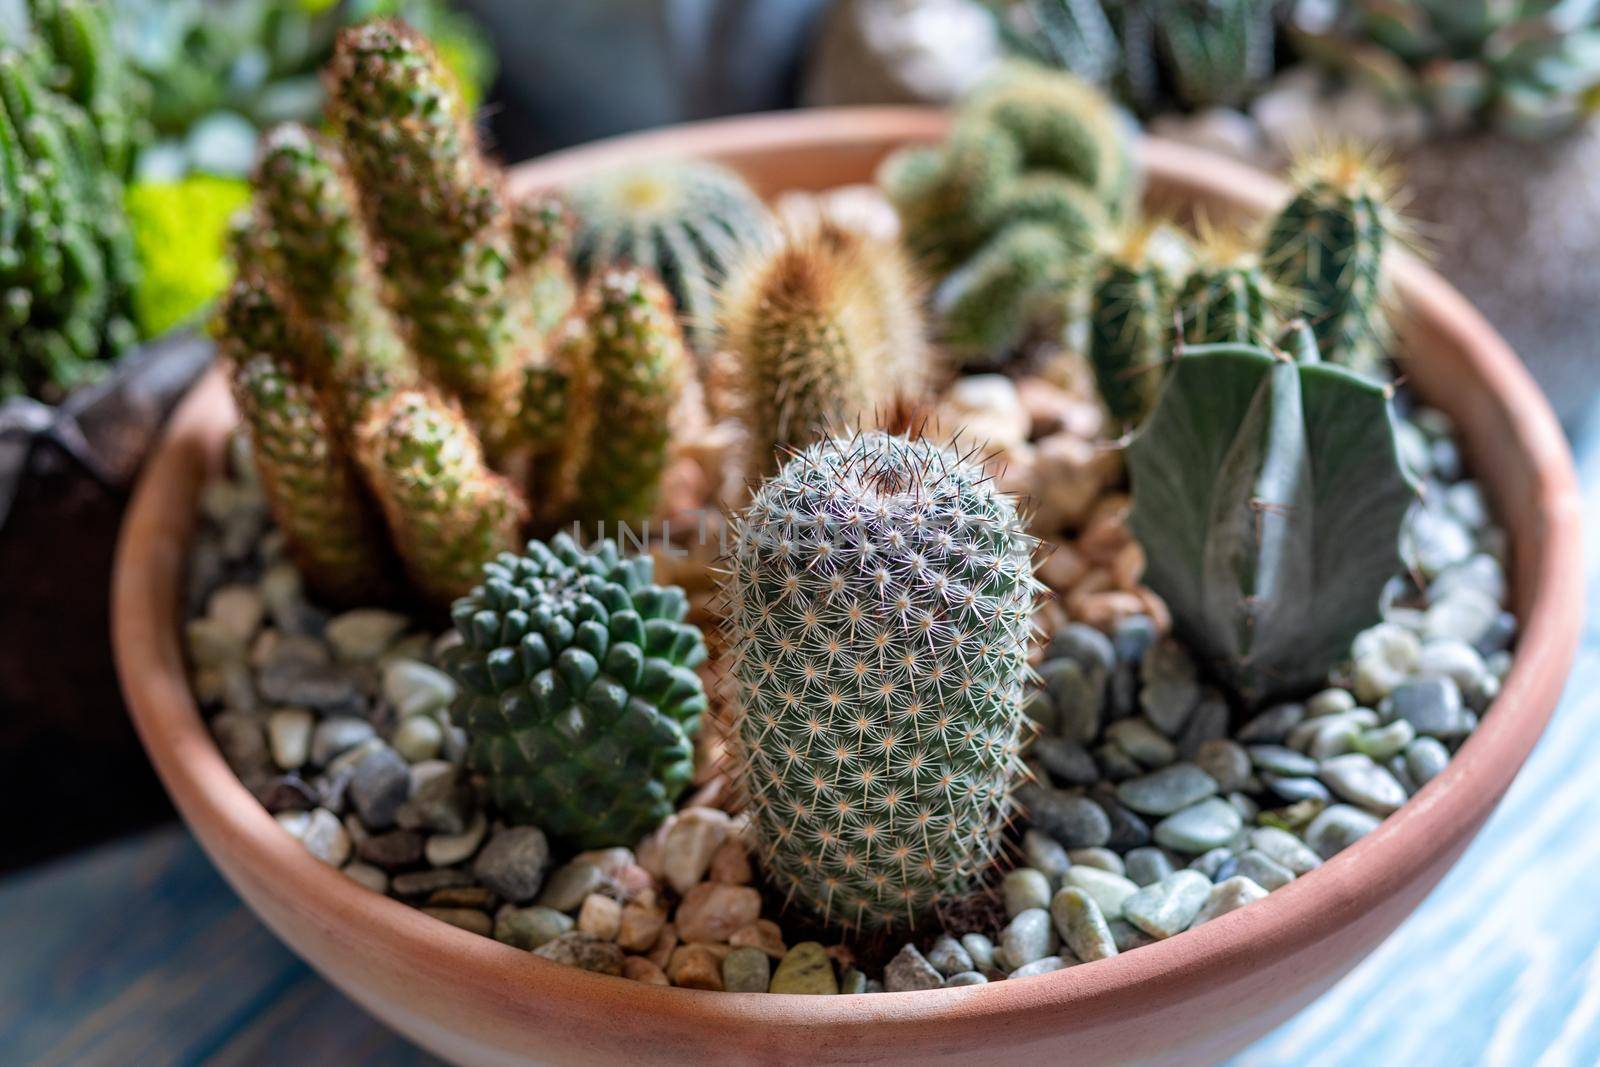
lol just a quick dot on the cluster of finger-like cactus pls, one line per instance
(67, 132)
(422, 322)
(579, 694)
(689, 221)
(879, 597)
(1320, 260)
(1009, 210)
(1152, 53)
(823, 332)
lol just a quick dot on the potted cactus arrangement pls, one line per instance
(915, 587)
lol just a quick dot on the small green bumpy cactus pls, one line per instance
(824, 329)
(578, 691)
(1269, 493)
(1326, 248)
(686, 221)
(1227, 297)
(878, 605)
(1130, 329)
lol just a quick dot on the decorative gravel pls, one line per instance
(1155, 807)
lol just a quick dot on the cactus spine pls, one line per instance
(1130, 330)
(687, 221)
(578, 690)
(825, 332)
(879, 601)
(1325, 249)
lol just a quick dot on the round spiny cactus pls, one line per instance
(1227, 298)
(825, 331)
(578, 690)
(879, 598)
(687, 222)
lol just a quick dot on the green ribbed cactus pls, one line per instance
(1010, 209)
(1268, 494)
(688, 221)
(1152, 53)
(311, 482)
(1325, 252)
(879, 598)
(67, 130)
(578, 691)
(825, 333)
(1220, 303)
(1130, 330)
(436, 384)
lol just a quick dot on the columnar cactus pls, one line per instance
(1269, 492)
(688, 221)
(578, 690)
(432, 318)
(67, 268)
(824, 332)
(1012, 206)
(879, 597)
(1130, 330)
(1226, 302)
(1325, 251)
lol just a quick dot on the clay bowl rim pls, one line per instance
(146, 625)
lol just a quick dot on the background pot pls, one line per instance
(1191, 999)
(65, 474)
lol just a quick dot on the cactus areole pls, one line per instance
(1268, 494)
(879, 598)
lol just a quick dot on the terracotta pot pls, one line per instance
(1190, 1000)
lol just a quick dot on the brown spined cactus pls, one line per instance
(825, 332)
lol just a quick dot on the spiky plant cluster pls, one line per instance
(1227, 297)
(879, 598)
(433, 318)
(689, 221)
(824, 332)
(67, 131)
(1010, 209)
(1152, 54)
(1326, 250)
(1130, 328)
(578, 690)
(1530, 68)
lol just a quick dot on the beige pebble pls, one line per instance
(600, 916)
(695, 967)
(1050, 408)
(1156, 608)
(695, 836)
(1127, 566)
(731, 863)
(1062, 566)
(640, 926)
(634, 881)
(1105, 610)
(608, 861)
(841, 955)
(666, 941)
(712, 911)
(640, 969)
(469, 919)
(1070, 474)
(763, 934)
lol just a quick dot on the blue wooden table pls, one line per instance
(138, 953)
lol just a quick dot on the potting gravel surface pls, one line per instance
(1154, 807)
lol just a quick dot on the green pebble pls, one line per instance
(530, 927)
(853, 981)
(746, 970)
(1082, 926)
(806, 969)
(1025, 888)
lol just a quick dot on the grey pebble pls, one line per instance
(1211, 862)
(1169, 906)
(1285, 848)
(1295, 789)
(1081, 925)
(1332, 701)
(1433, 706)
(1147, 865)
(1103, 858)
(1273, 725)
(965, 978)
(1075, 821)
(578, 949)
(1127, 936)
(393, 850)
(747, 970)
(440, 800)
(1226, 762)
(980, 948)
(1170, 689)
(1132, 637)
(1425, 758)
(1142, 741)
(1044, 853)
(568, 884)
(1167, 790)
(1282, 761)
(424, 883)
(1208, 722)
(1109, 891)
(909, 970)
(1024, 888)
(1263, 869)
(1077, 699)
(853, 981)
(1044, 966)
(1357, 779)
(1116, 764)
(1385, 742)
(1339, 827)
(324, 686)
(1026, 938)
(1085, 645)
(1203, 826)
(1230, 894)
(948, 957)
(336, 735)
(380, 784)
(513, 864)
(1067, 761)
(528, 928)
(1128, 829)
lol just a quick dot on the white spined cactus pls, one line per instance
(878, 608)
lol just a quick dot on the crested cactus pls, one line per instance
(578, 690)
(1011, 207)
(825, 332)
(1152, 53)
(311, 483)
(1269, 494)
(433, 319)
(879, 599)
(67, 267)
(1325, 251)
(1130, 330)
(687, 221)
